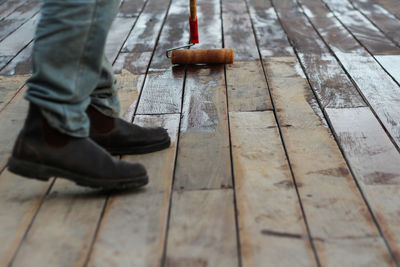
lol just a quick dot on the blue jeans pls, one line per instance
(70, 71)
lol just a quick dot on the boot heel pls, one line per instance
(27, 169)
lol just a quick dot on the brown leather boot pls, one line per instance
(42, 152)
(120, 137)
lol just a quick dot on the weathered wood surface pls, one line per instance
(7, 7)
(375, 163)
(378, 88)
(391, 64)
(271, 224)
(134, 224)
(366, 32)
(247, 88)
(202, 229)
(380, 17)
(390, 5)
(330, 83)
(338, 218)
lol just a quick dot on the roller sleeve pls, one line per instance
(202, 56)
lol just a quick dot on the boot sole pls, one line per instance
(44, 173)
(139, 150)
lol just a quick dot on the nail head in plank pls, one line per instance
(134, 225)
(202, 229)
(269, 213)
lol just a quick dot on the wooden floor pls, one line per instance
(288, 157)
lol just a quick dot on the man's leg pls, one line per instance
(112, 133)
(67, 62)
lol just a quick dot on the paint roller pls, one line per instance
(198, 56)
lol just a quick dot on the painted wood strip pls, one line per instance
(377, 87)
(375, 163)
(338, 218)
(134, 224)
(370, 36)
(271, 224)
(247, 88)
(18, 17)
(20, 198)
(16, 41)
(118, 32)
(162, 91)
(271, 38)
(202, 229)
(390, 5)
(9, 86)
(329, 81)
(386, 22)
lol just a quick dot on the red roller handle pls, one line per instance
(194, 31)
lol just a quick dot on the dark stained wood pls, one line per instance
(383, 19)
(247, 88)
(271, 38)
(329, 81)
(18, 17)
(118, 32)
(375, 163)
(268, 207)
(370, 36)
(134, 225)
(377, 87)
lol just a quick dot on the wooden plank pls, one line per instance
(202, 229)
(375, 163)
(391, 64)
(390, 5)
(131, 8)
(271, 38)
(7, 7)
(19, 201)
(271, 224)
(20, 64)
(64, 227)
(377, 87)
(329, 81)
(16, 41)
(204, 157)
(338, 218)
(9, 86)
(118, 34)
(18, 17)
(134, 225)
(382, 18)
(247, 88)
(162, 91)
(370, 36)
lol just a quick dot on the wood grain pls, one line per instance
(332, 203)
(370, 36)
(19, 201)
(383, 19)
(271, 223)
(131, 8)
(390, 5)
(134, 224)
(202, 229)
(377, 87)
(7, 7)
(391, 64)
(118, 32)
(375, 163)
